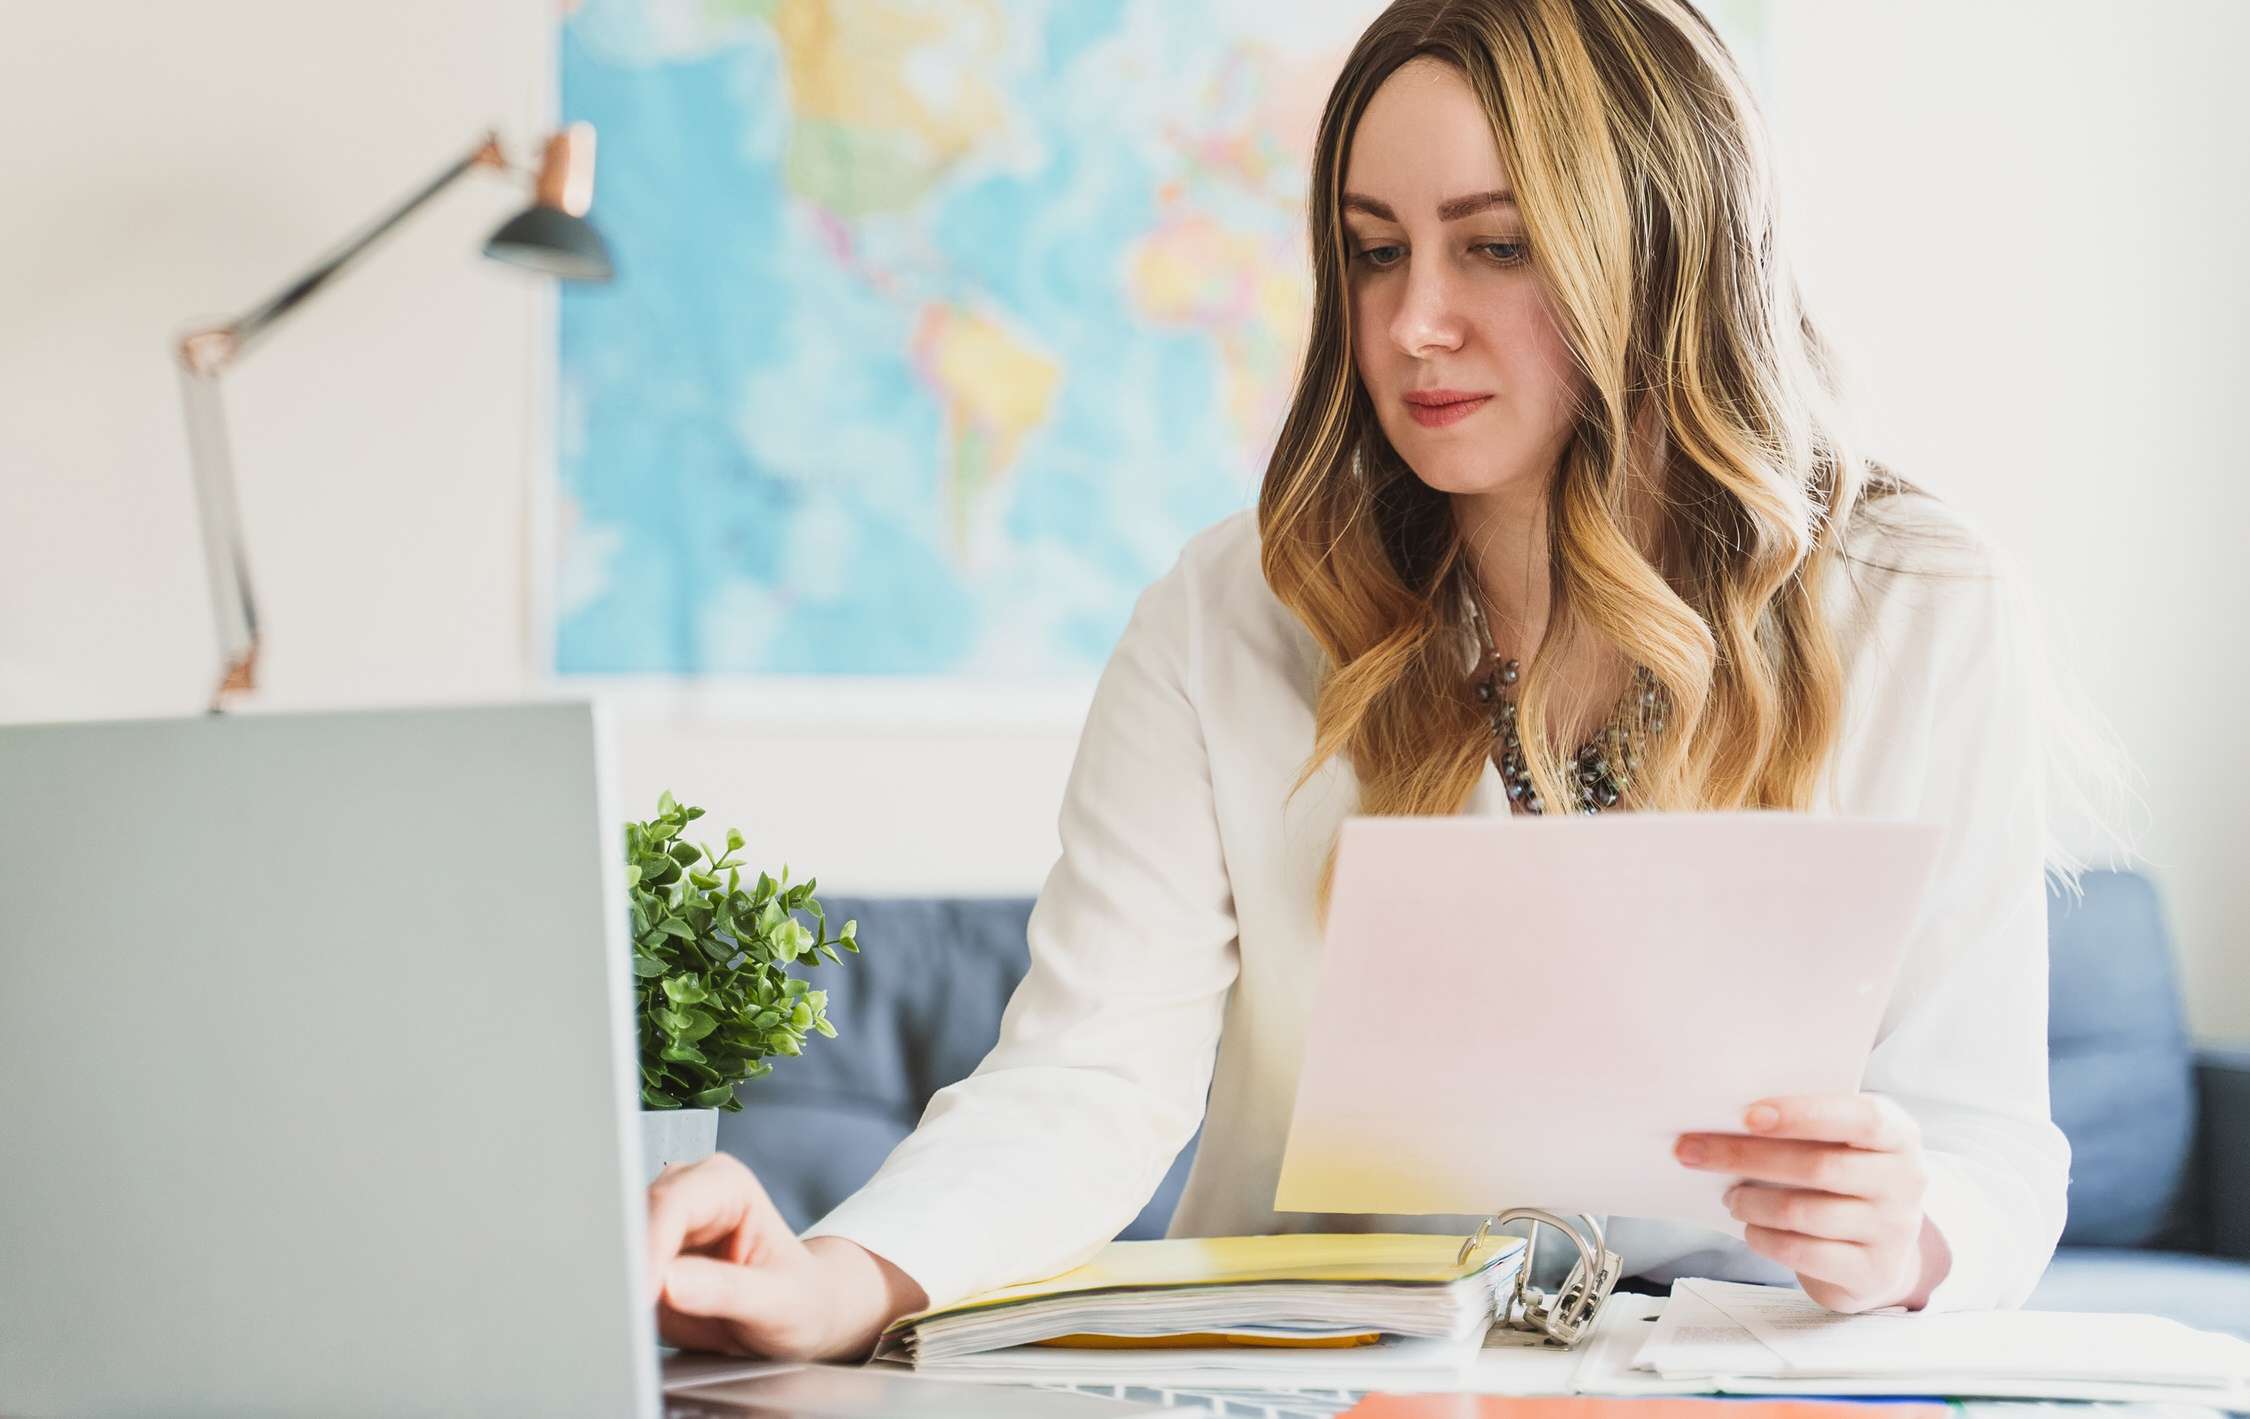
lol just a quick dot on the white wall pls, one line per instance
(173, 163)
(2024, 219)
(2019, 215)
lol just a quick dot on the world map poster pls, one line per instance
(938, 329)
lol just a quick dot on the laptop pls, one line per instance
(318, 1084)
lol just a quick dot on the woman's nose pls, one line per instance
(1427, 316)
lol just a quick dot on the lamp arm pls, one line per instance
(207, 350)
(204, 355)
(226, 572)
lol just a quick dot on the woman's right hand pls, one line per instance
(727, 1274)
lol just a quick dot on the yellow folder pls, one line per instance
(1182, 1263)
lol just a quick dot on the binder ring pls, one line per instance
(1483, 1233)
(1565, 1316)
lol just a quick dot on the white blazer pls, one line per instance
(1177, 933)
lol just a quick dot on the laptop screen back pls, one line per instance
(316, 1068)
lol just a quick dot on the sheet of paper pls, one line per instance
(2054, 1345)
(1697, 1345)
(1528, 1012)
(1605, 1360)
(1694, 1338)
(1396, 1363)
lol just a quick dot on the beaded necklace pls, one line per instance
(1602, 769)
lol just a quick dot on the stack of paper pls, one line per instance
(1739, 1339)
(1381, 1305)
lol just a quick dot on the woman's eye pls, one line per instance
(1505, 253)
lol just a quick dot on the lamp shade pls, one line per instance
(553, 242)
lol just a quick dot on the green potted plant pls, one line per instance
(711, 973)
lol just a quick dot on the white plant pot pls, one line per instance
(676, 1136)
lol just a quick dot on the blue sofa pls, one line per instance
(2160, 1181)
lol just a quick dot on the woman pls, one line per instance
(1560, 519)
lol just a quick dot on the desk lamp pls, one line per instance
(551, 236)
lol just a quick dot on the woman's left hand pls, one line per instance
(1832, 1189)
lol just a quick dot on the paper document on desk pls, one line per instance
(1741, 1339)
(2056, 1345)
(1529, 1012)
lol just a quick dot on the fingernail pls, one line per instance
(1763, 1117)
(1726, 1199)
(1690, 1152)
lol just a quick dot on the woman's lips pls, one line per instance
(1437, 416)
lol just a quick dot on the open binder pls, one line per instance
(1566, 1316)
(1386, 1304)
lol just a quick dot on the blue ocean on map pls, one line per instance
(938, 329)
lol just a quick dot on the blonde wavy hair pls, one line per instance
(1709, 403)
